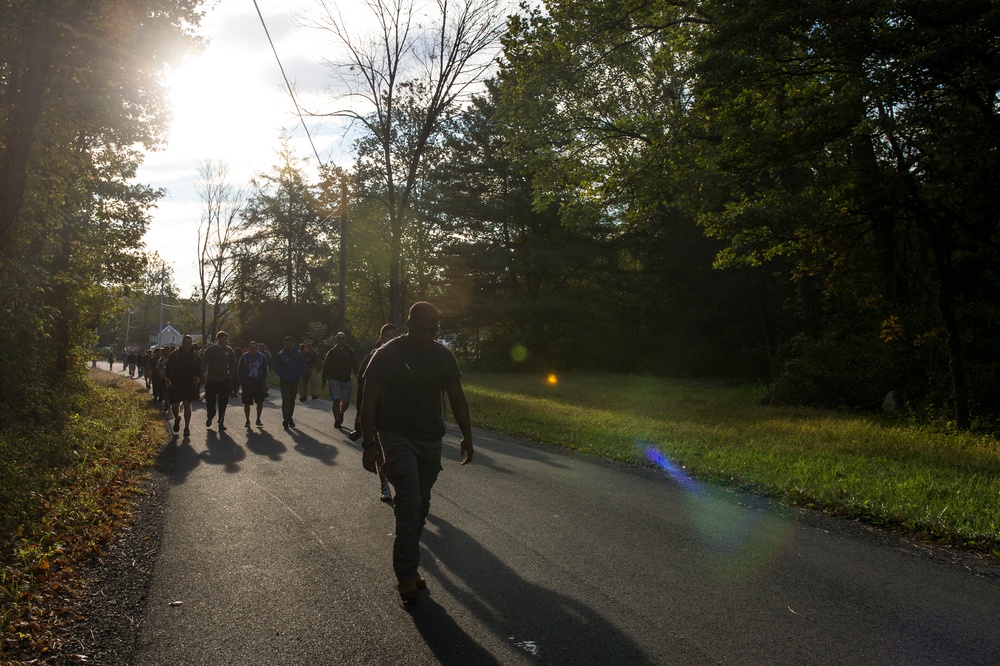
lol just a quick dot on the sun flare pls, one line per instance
(221, 108)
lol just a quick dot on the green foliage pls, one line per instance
(283, 250)
(80, 94)
(842, 158)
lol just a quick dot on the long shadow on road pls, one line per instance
(313, 448)
(542, 623)
(223, 450)
(263, 443)
(449, 643)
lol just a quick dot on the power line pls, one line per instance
(288, 85)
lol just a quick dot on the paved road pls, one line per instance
(276, 551)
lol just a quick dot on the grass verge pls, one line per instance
(65, 491)
(934, 485)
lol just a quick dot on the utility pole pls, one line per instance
(128, 327)
(163, 277)
(342, 318)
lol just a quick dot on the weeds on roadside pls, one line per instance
(64, 492)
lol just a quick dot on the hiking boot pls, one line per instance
(291, 423)
(247, 424)
(284, 424)
(259, 422)
(409, 590)
(338, 422)
(187, 433)
(355, 435)
(222, 426)
(208, 422)
(386, 493)
(177, 425)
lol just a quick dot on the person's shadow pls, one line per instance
(181, 458)
(263, 443)
(313, 448)
(223, 450)
(542, 623)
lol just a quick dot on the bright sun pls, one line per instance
(222, 108)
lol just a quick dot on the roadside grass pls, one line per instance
(935, 485)
(65, 491)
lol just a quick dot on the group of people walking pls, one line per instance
(400, 414)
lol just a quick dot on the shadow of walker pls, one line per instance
(540, 623)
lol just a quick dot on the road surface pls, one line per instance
(276, 550)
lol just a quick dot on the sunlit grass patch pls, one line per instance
(940, 485)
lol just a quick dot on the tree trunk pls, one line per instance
(953, 342)
(35, 72)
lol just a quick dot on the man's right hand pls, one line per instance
(369, 456)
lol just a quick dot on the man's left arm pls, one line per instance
(460, 408)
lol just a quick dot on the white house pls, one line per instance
(168, 336)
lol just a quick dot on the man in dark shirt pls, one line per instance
(219, 367)
(403, 402)
(339, 364)
(289, 365)
(181, 376)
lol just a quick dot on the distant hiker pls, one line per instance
(404, 382)
(131, 364)
(304, 379)
(341, 361)
(147, 367)
(219, 368)
(388, 332)
(251, 370)
(312, 360)
(161, 371)
(111, 361)
(182, 372)
(155, 374)
(289, 365)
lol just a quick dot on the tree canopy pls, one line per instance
(80, 96)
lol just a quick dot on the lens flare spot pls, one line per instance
(741, 539)
(519, 353)
(667, 465)
(552, 380)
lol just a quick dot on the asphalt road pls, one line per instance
(277, 551)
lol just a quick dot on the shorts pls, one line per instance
(253, 394)
(187, 393)
(340, 390)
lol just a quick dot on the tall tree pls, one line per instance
(858, 140)
(80, 93)
(222, 203)
(425, 55)
(595, 100)
(284, 243)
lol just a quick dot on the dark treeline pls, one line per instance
(801, 193)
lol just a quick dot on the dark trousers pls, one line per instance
(158, 383)
(216, 398)
(412, 477)
(288, 391)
